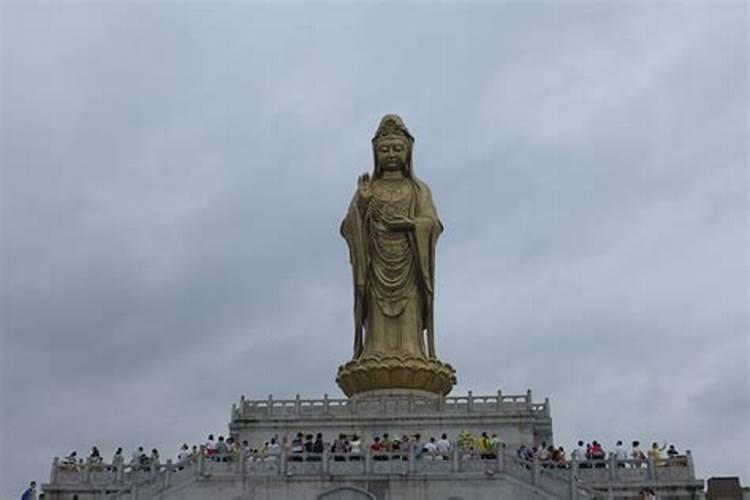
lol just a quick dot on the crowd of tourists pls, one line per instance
(311, 446)
(301, 447)
(593, 455)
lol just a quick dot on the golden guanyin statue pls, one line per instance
(391, 229)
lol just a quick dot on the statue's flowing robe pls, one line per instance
(393, 314)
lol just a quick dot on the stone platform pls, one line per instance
(515, 418)
(395, 476)
(404, 475)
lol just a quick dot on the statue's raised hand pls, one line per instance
(363, 188)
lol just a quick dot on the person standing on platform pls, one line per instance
(30, 493)
(444, 446)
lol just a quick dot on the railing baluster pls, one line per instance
(573, 480)
(53, 472)
(168, 474)
(201, 468)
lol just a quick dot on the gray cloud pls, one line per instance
(174, 176)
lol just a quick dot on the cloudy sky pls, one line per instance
(174, 174)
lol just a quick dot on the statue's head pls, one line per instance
(392, 146)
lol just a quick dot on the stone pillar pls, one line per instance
(500, 459)
(368, 459)
(201, 468)
(283, 457)
(325, 404)
(547, 411)
(242, 463)
(53, 472)
(690, 464)
(297, 406)
(573, 480)
(270, 404)
(242, 406)
(87, 472)
(412, 459)
(168, 474)
(651, 469)
(326, 467)
(499, 403)
(528, 400)
(612, 464)
(470, 402)
(535, 471)
(120, 472)
(454, 458)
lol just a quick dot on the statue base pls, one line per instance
(395, 372)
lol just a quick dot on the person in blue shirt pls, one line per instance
(30, 493)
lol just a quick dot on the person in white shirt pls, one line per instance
(274, 450)
(355, 448)
(542, 454)
(117, 459)
(431, 450)
(185, 456)
(210, 445)
(444, 446)
(637, 454)
(621, 454)
(71, 459)
(247, 451)
(579, 454)
(138, 458)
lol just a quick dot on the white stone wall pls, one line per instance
(432, 488)
(515, 418)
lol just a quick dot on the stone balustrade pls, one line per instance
(401, 404)
(594, 472)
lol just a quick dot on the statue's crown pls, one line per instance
(391, 126)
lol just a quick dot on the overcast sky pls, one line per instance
(174, 175)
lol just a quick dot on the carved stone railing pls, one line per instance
(572, 480)
(403, 404)
(117, 476)
(674, 469)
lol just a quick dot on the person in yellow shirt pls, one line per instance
(485, 448)
(655, 453)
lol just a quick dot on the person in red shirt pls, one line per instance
(377, 449)
(597, 453)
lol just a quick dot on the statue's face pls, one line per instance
(392, 154)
